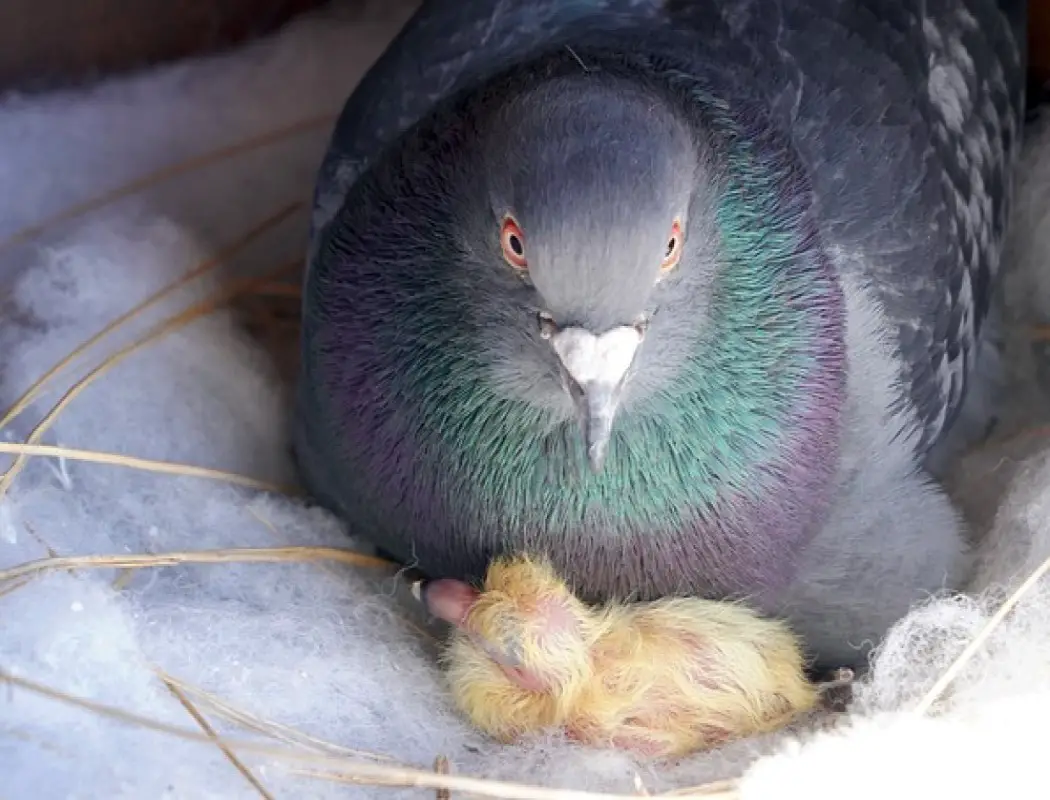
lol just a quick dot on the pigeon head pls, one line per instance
(588, 188)
(597, 298)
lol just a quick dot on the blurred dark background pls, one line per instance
(48, 44)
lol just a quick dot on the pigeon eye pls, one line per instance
(513, 242)
(674, 248)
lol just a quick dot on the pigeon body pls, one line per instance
(682, 296)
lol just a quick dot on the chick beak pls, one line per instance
(595, 369)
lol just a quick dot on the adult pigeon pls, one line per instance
(683, 295)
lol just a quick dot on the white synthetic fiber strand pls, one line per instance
(329, 649)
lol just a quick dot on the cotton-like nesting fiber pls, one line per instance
(329, 649)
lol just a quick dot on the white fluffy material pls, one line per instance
(330, 650)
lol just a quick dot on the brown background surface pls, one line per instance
(1039, 39)
(50, 43)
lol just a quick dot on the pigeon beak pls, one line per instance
(596, 406)
(595, 369)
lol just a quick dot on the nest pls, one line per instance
(268, 306)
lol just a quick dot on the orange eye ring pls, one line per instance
(674, 248)
(512, 240)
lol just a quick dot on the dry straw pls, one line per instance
(301, 754)
(358, 770)
(167, 173)
(342, 768)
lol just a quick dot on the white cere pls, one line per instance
(591, 359)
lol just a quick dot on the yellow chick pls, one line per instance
(661, 679)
